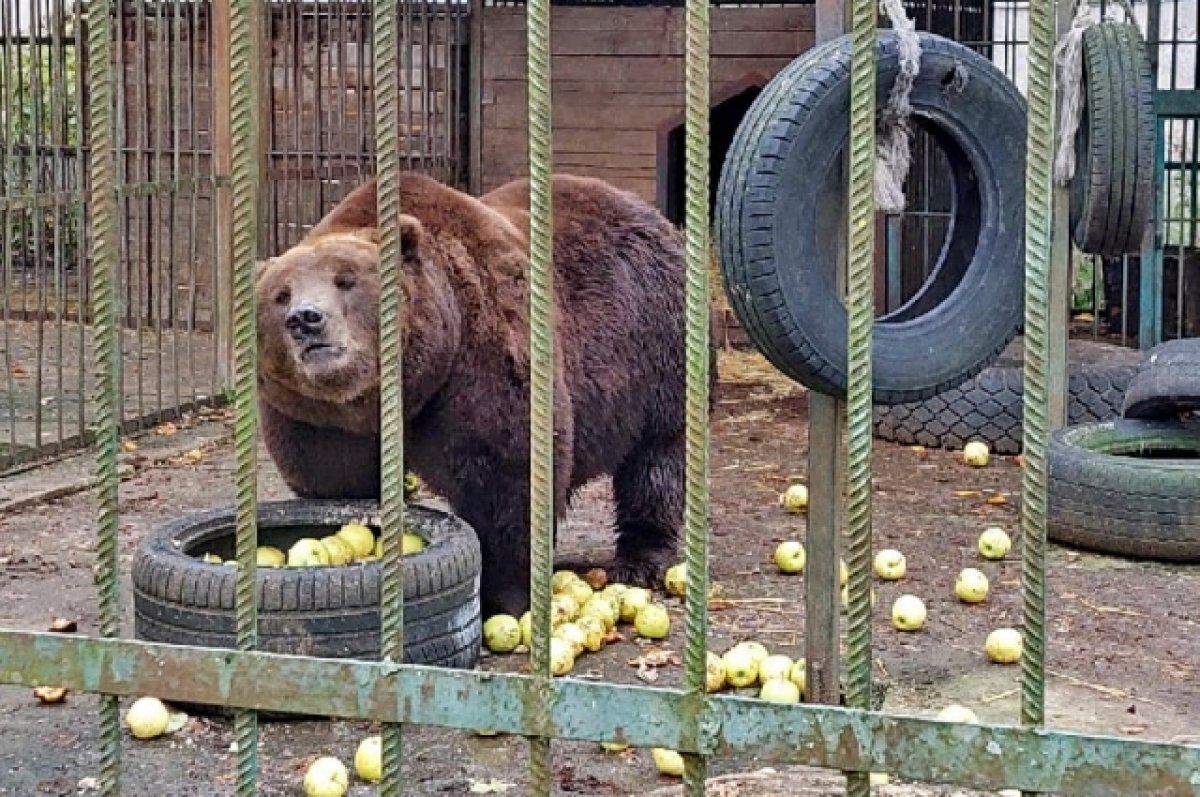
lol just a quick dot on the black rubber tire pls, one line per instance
(1168, 387)
(1101, 499)
(989, 406)
(1112, 194)
(775, 244)
(328, 612)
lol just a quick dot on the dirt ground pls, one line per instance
(1124, 645)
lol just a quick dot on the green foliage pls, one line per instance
(40, 128)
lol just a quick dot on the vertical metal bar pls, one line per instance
(893, 262)
(154, 263)
(1150, 271)
(407, 37)
(139, 262)
(82, 261)
(246, 181)
(1039, 333)
(475, 99)
(7, 147)
(826, 416)
(385, 55)
(60, 113)
(1059, 290)
(37, 145)
(696, 230)
(541, 400)
(860, 287)
(103, 203)
(222, 156)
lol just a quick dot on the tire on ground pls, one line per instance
(989, 407)
(1130, 488)
(778, 225)
(329, 612)
(1112, 192)
(1168, 387)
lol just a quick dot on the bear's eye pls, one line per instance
(345, 281)
(283, 296)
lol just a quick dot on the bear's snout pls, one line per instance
(305, 321)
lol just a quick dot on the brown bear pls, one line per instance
(618, 367)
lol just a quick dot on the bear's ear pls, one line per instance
(411, 233)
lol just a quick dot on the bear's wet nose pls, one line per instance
(305, 320)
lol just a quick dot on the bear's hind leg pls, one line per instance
(648, 488)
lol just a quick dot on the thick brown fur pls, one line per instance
(618, 373)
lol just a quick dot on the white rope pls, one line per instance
(1068, 56)
(891, 142)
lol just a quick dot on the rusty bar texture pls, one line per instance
(975, 756)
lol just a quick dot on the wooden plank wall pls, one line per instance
(618, 81)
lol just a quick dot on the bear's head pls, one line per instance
(318, 313)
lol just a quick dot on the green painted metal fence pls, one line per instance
(852, 738)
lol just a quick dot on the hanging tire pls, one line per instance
(1112, 193)
(1168, 387)
(989, 407)
(777, 228)
(1130, 488)
(329, 612)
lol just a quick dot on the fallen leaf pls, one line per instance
(177, 719)
(20, 373)
(130, 445)
(1133, 730)
(491, 786)
(997, 500)
(966, 493)
(166, 429)
(62, 625)
(50, 694)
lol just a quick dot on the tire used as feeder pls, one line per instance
(779, 229)
(1112, 191)
(1168, 387)
(989, 407)
(322, 611)
(1130, 488)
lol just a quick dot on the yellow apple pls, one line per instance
(501, 633)
(368, 759)
(790, 556)
(653, 622)
(676, 580)
(794, 499)
(774, 666)
(359, 537)
(714, 672)
(326, 777)
(908, 613)
(147, 718)
(307, 552)
(633, 600)
(270, 556)
(1004, 645)
(779, 690)
(890, 564)
(994, 543)
(667, 761)
(971, 586)
(562, 656)
(340, 552)
(741, 667)
(975, 454)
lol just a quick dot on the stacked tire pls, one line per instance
(1131, 486)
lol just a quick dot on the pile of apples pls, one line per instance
(584, 614)
(352, 543)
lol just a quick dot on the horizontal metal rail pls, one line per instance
(973, 755)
